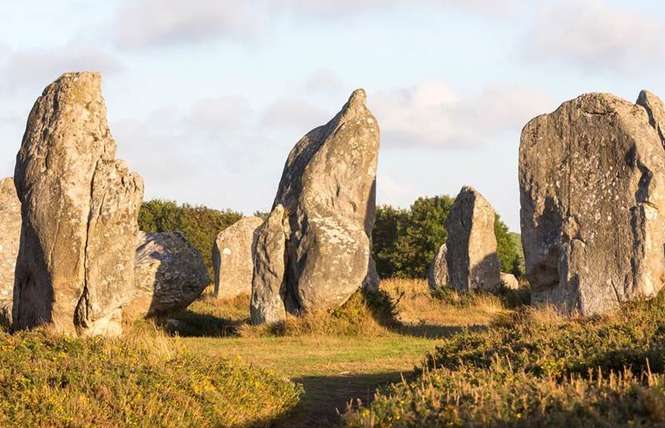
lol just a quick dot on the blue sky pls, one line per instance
(206, 98)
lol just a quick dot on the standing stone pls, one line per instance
(170, 274)
(592, 176)
(438, 270)
(328, 193)
(10, 234)
(267, 305)
(471, 245)
(509, 281)
(75, 268)
(232, 258)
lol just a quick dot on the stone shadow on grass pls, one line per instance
(326, 398)
(187, 323)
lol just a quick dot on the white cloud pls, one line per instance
(323, 81)
(596, 35)
(151, 23)
(155, 23)
(333, 9)
(34, 69)
(432, 114)
(218, 116)
(293, 113)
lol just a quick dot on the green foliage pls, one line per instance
(502, 397)
(406, 240)
(386, 243)
(199, 224)
(141, 380)
(535, 368)
(508, 250)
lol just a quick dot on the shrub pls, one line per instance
(506, 398)
(364, 314)
(560, 347)
(140, 380)
(535, 368)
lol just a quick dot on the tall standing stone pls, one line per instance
(592, 176)
(471, 245)
(75, 268)
(10, 234)
(232, 258)
(327, 191)
(267, 304)
(437, 276)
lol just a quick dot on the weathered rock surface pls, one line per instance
(267, 304)
(232, 258)
(75, 268)
(471, 245)
(656, 111)
(10, 234)
(591, 191)
(438, 270)
(170, 274)
(509, 281)
(328, 193)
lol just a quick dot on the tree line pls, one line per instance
(404, 239)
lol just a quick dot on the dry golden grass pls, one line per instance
(415, 305)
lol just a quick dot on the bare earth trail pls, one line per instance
(336, 370)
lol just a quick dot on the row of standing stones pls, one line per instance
(592, 206)
(71, 255)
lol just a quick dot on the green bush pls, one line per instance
(502, 397)
(139, 380)
(199, 224)
(561, 347)
(534, 368)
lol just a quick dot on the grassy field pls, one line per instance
(398, 358)
(337, 360)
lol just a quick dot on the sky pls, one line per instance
(205, 98)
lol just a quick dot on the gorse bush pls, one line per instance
(199, 224)
(140, 380)
(406, 240)
(502, 397)
(558, 347)
(534, 368)
(364, 314)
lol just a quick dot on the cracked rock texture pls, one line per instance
(471, 244)
(327, 191)
(170, 274)
(438, 270)
(75, 267)
(10, 234)
(232, 258)
(592, 177)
